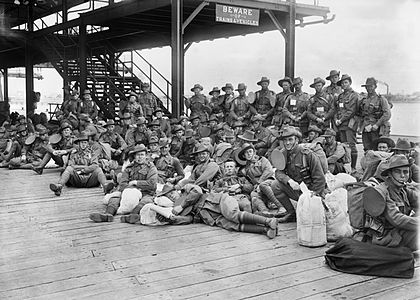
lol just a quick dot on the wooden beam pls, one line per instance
(193, 15)
(276, 22)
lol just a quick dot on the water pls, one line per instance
(405, 119)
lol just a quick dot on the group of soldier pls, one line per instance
(236, 161)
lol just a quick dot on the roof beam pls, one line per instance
(276, 22)
(193, 15)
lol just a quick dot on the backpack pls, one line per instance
(355, 257)
(347, 156)
(319, 153)
(356, 211)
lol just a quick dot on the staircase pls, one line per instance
(109, 78)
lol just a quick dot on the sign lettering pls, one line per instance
(237, 15)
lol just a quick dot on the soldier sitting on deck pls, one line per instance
(82, 170)
(60, 146)
(18, 143)
(300, 164)
(169, 168)
(138, 182)
(335, 152)
(117, 143)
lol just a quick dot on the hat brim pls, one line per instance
(163, 193)
(239, 160)
(55, 138)
(387, 140)
(280, 82)
(246, 139)
(242, 150)
(212, 92)
(331, 75)
(200, 151)
(261, 81)
(312, 85)
(196, 87)
(341, 81)
(136, 151)
(30, 139)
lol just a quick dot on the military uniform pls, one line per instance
(263, 135)
(185, 156)
(217, 108)
(374, 110)
(241, 108)
(335, 154)
(205, 173)
(165, 126)
(91, 176)
(33, 153)
(333, 90)
(88, 107)
(263, 103)
(243, 197)
(346, 107)
(176, 146)
(136, 137)
(149, 104)
(199, 105)
(169, 167)
(321, 106)
(296, 106)
(115, 141)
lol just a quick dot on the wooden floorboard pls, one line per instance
(51, 250)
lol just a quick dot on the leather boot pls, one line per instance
(37, 170)
(131, 218)
(269, 232)
(108, 187)
(289, 218)
(268, 192)
(56, 188)
(248, 218)
(98, 217)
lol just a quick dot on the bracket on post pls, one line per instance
(187, 46)
(193, 15)
(276, 22)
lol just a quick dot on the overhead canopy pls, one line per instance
(140, 24)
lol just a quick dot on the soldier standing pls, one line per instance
(321, 106)
(277, 112)
(87, 106)
(264, 100)
(296, 106)
(375, 113)
(148, 101)
(215, 106)
(198, 103)
(241, 110)
(333, 89)
(345, 108)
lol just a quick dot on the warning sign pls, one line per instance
(237, 15)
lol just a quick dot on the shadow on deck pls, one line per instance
(51, 250)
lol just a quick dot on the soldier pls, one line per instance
(33, 150)
(117, 143)
(28, 123)
(314, 133)
(59, 147)
(334, 151)
(132, 106)
(259, 172)
(18, 144)
(198, 103)
(212, 123)
(226, 100)
(345, 108)
(87, 106)
(82, 170)
(238, 127)
(169, 168)
(264, 100)
(296, 106)
(138, 181)
(195, 124)
(241, 109)
(375, 113)
(85, 123)
(165, 127)
(138, 135)
(187, 148)
(334, 89)
(205, 172)
(177, 141)
(216, 108)
(262, 134)
(392, 207)
(155, 129)
(277, 113)
(147, 101)
(125, 124)
(5, 143)
(154, 151)
(238, 187)
(72, 106)
(321, 106)
(383, 144)
(301, 164)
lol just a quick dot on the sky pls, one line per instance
(379, 38)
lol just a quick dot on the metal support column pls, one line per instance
(29, 66)
(64, 12)
(5, 85)
(82, 57)
(177, 44)
(290, 40)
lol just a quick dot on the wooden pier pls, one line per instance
(51, 250)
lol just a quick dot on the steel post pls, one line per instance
(82, 57)
(290, 40)
(29, 66)
(177, 45)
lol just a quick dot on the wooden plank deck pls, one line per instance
(51, 250)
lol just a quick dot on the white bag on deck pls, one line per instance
(338, 181)
(130, 197)
(311, 223)
(338, 222)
